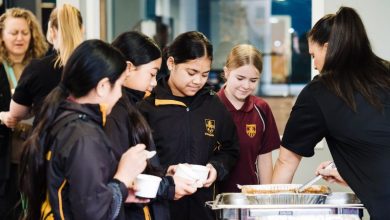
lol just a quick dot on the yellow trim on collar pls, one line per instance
(103, 109)
(168, 102)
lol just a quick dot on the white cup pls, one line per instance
(201, 172)
(185, 171)
(147, 185)
(197, 173)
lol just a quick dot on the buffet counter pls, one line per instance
(239, 206)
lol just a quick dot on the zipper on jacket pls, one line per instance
(188, 151)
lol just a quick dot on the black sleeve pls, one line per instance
(118, 189)
(306, 125)
(227, 151)
(166, 189)
(28, 84)
(92, 192)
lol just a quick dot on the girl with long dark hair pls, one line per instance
(127, 127)
(68, 169)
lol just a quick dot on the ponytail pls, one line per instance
(32, 171)
(69, 23)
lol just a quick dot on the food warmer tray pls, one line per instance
(246, 207)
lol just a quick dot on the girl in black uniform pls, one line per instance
(189, 123)
(69, 170)
(126, 127)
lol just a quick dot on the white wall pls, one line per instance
(188, 16)
(375, 15)
(124, 15)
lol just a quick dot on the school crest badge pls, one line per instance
(251, 130)
(210, 127)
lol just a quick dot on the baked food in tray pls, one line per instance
(283, 188)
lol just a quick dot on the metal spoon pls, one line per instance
(315, 179)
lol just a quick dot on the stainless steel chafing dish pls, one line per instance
(280, 205)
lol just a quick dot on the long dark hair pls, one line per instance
(350, 65)
(91, 61)
(139, 49)
(189, 46)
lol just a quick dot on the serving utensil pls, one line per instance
(150, 154)
(315, 179)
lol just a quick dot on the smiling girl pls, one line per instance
(255, 123)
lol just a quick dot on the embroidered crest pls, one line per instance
(251, 130)
(210, 127)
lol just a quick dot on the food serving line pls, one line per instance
(281, 203)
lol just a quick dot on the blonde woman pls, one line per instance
(21, 40)
(41, 76)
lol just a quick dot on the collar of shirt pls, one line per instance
(247, 107)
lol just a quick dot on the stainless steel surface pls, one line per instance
(342, 198)
(294, 214)
(239, 200)
(315, 179)
(238, 206)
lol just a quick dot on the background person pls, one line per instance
(189, 123)
(65, 32)
(348, 104)
(68, 169)
(256, 127)
(21, 40)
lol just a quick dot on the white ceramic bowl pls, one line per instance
(197, 173)
(147, 185)
(201, 172)
(185, 171)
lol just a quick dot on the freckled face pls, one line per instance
(241, 82)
